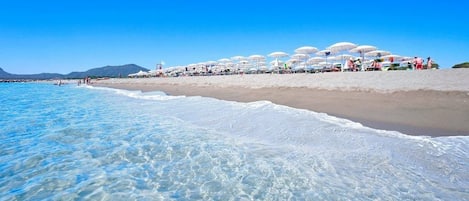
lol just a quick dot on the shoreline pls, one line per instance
(415, 112)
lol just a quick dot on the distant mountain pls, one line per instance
(41, 76)
(106, 71)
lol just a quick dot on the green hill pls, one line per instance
(462, 65)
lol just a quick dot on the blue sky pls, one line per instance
(65, 36)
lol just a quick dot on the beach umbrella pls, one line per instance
(293, 61)
(406, 58)
(306, 50)
(278, 54)
(224, 60)
(315, 60)
(210, 64)
(325, 53)
(141, 74)
(257, 58)
(342, 58)
(363, 49)
(276, 63)
(392, 57)
(237, 58)
(377, 53)
(395, 56)
(300, 57)
(341, 46)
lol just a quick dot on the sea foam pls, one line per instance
(100, 143)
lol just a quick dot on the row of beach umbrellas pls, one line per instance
(303, 57)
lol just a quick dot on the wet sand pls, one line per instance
(430, 113)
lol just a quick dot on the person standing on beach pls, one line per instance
(429, 63)
(418, 63)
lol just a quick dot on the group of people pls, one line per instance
(354, 65)
(86, 80)
(418, 63)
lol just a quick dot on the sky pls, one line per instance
(66, 36)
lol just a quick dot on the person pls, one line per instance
(372, 66)
(358, 64)
(429, 63)
(350, 64)
(418, 63)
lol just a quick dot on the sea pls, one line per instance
(88, 143)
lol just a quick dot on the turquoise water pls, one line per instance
(74, 142)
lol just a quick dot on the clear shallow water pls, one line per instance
(94, 143)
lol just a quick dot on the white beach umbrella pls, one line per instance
(315, 60)
(293, 61)
(341, 46)
(343, 56)
(404, 58)
(278, 54)
(301, 57)
(192, 65)
(224, 60)
(141, 74)
(256, 57)
(276, 63)
(363, 49)
(210, 64)
(395, 56)
(306, 50)
(237, 58)
(325, 53)
(377, 53)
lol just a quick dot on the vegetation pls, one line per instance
(462, 65)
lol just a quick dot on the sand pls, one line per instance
(431, 103)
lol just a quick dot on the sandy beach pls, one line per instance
(431, 102)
